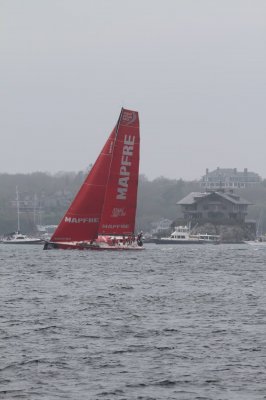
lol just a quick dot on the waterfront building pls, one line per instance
(229, 178)
(214, 206)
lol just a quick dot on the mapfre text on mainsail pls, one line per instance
(125, 167)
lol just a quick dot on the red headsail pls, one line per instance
(81, 221)
(106, 202)
(119, 209)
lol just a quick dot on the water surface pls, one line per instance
(171, 322)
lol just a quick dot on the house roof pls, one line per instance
(231, 172)
(191, 198)
(234, 198)
(194, 197)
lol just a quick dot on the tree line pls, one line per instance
(157, 199)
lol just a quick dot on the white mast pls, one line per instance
(17, 197)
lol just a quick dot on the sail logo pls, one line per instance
(110, 226)
(73, 220)
(118, 212)
(124, 172)
(129, 117)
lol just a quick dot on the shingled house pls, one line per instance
(214, 206)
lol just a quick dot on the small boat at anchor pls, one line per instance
(102, 215)
(182, 235)
(17, 237)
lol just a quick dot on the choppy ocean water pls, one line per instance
(171, 322)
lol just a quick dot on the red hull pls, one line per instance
(88, 246)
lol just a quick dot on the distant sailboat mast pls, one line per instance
(18, 211)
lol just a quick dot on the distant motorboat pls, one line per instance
(182, 235)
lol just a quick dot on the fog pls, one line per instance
(194, 69)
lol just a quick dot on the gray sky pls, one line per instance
(194, 69)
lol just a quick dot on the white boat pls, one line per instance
(182, 235)
(207, 238)
(260, 241)
(17, 237)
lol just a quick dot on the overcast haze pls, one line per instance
(194, 69)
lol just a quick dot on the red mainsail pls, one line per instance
(119, 207)
(81, 221)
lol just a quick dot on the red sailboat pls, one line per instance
(102, 215)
